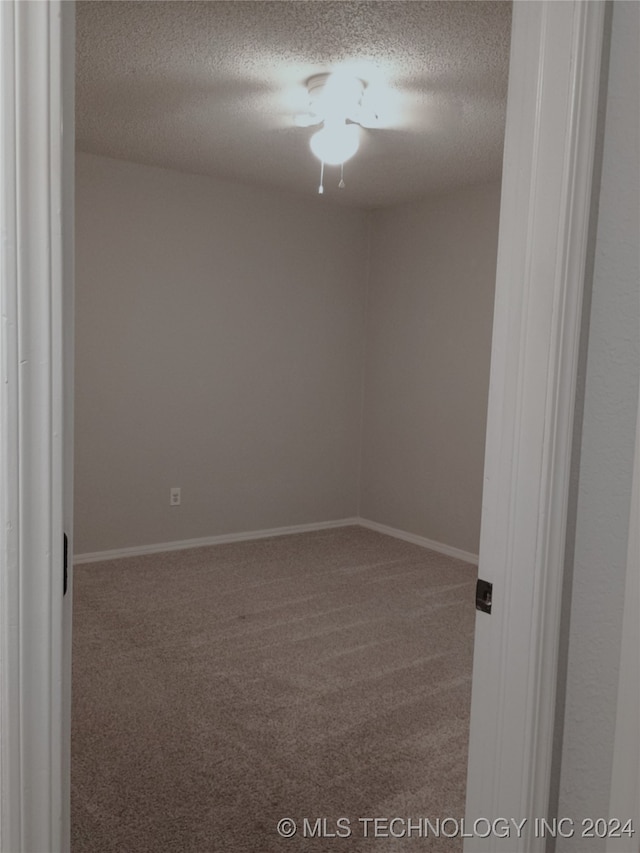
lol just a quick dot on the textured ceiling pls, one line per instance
(212, 88)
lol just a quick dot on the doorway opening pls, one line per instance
(304, 373)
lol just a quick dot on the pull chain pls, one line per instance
(321, 187)
(341, 184)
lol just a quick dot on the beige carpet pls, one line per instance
(219, 690)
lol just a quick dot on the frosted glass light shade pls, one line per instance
(335, 144)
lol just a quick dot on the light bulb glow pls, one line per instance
(335, 143)
(341, 96)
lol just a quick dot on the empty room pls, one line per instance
(281, 380)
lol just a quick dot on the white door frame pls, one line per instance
(546, 206)
(36, 224)
(625, 778)
(543, 237)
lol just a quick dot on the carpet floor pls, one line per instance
(218, 690)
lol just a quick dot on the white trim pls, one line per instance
(625, 777)
(33, 796)
(552, 107)
(184, 544)
(66, 57)
(449, 550)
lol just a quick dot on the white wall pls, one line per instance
(429, 320)
(219, 349)
(607, 451)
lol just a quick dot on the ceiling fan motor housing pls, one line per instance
(335, 96)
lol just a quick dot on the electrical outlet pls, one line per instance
(174, 496)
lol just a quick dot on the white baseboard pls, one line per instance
(181, 545)
(449, 550)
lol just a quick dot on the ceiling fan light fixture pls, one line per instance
(335, 103)
(335, 143)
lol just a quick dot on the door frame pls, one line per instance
(546, 212)
(625, 775)
(546, 202)
(36, 420)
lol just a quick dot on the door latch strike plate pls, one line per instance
(484, 593)
(65, 564)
